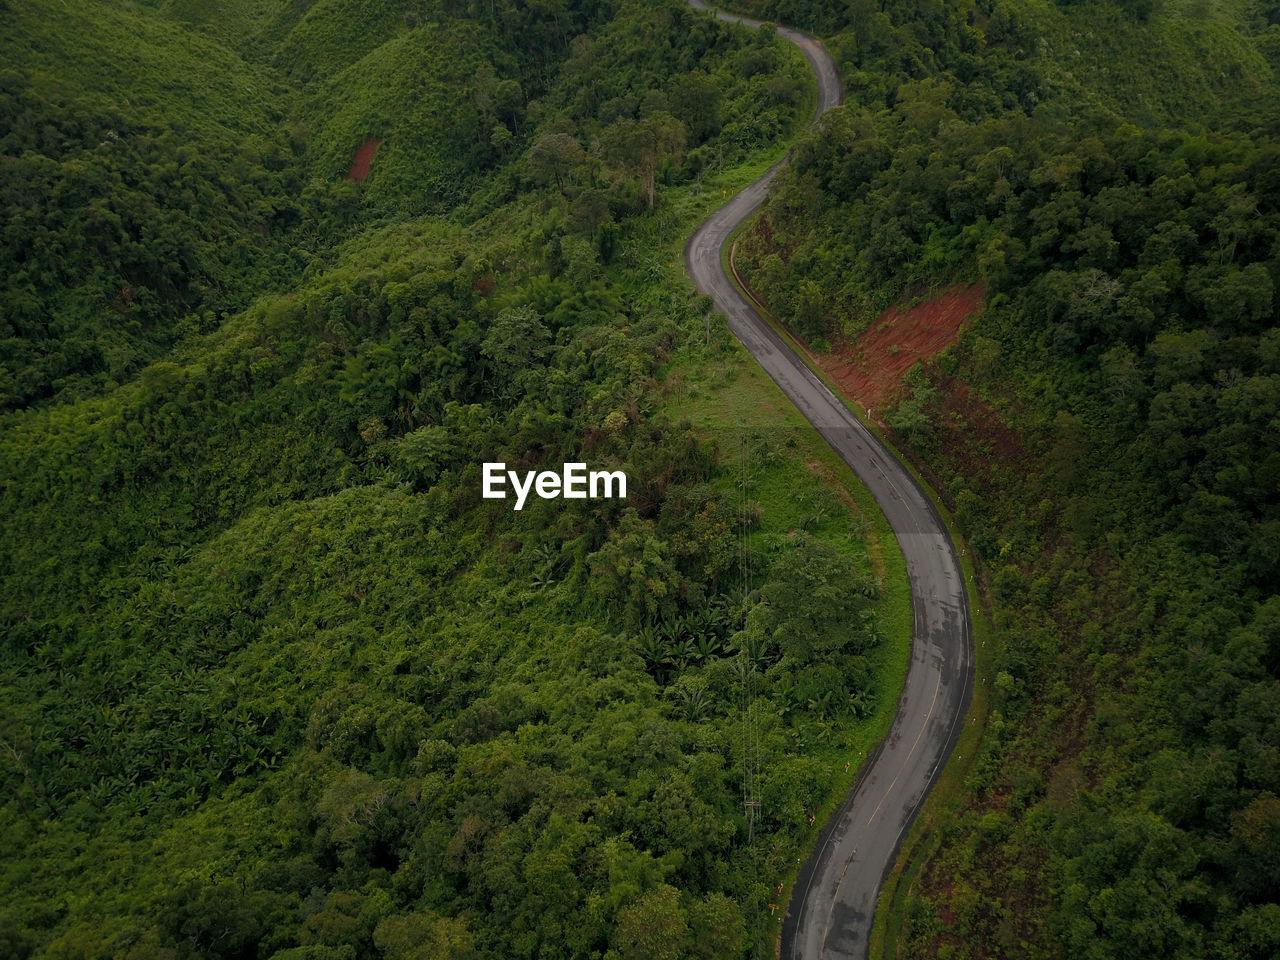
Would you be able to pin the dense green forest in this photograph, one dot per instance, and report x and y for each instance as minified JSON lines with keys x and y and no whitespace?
{"x":276,"y":681}
{"x":1105,"y":432}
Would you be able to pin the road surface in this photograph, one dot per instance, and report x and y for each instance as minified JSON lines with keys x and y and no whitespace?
{"x":831,"y":910}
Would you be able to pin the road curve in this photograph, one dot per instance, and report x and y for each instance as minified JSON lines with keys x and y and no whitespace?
{"x":834,"y":900}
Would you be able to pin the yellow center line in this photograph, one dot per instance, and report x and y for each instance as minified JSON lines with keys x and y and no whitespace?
{"x":835,"y":898}
{"x":889,"y":789}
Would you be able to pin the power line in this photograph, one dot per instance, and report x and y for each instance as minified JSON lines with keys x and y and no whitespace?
{"x":750,"y":733}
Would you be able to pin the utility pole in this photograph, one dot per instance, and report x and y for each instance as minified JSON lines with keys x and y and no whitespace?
{"x":746,"y":667}
{"x":749,"y":774}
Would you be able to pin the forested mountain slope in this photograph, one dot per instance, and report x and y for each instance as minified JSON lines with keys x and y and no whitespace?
{"x":1106,"y":433}
{"x":276,"y":681}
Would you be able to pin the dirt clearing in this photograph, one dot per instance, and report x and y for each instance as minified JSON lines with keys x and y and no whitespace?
{"x":870,"y":369}
{"x":363,"y":160}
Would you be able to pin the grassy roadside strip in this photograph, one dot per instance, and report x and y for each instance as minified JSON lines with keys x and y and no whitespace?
{"x":976,"y":598}
{"x":723,"y":399}
{"x":946,"y":798}
{"x":723,"y":396}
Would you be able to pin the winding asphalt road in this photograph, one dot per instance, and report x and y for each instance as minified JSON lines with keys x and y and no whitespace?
{"x":831,"y":910}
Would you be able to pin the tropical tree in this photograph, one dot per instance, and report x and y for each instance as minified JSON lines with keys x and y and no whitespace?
{"x":638,"y":147}
{"x":554,"y":156}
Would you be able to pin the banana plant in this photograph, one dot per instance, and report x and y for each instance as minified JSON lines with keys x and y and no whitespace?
{"x":821,"y":705}
{"x":862,"y":703}
{"x":672,"y":628}
{"x":706,"y":646}
{"x":784,"y":695}
{"x":693,"y":700}
{"x":680,"y":653}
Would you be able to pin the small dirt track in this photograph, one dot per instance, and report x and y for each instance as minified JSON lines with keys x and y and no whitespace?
{"x":835,"y":896}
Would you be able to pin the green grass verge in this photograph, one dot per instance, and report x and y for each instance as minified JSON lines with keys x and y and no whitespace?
{"x":946,"y":797}
{"x":724,"y":394}
{"x":733,"y":397}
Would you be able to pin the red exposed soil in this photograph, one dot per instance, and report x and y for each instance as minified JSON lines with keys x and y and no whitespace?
{"x":363,"y":160}
{"x":870,"y":370}
{"x":983,"y":440}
